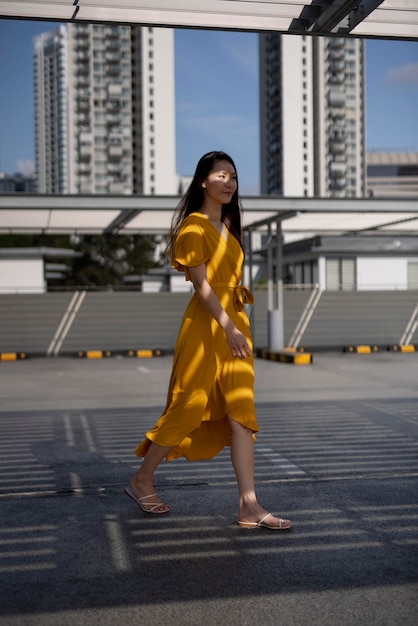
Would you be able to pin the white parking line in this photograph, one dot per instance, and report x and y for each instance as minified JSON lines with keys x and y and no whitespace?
{"x":75,"y":481}
{"x":281,"y":461}
{"x":69,"y":434}
{"x":118,"y":549}
{"x":87,"y":433}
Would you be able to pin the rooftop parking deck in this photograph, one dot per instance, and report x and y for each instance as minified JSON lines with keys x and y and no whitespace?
{"x":337,"y":452}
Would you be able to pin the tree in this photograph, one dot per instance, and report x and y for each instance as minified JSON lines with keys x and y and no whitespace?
{"x":107,"y":259}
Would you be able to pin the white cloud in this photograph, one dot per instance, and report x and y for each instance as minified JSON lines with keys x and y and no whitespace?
{"x":25,"y":167}
{"x":404,"y":75}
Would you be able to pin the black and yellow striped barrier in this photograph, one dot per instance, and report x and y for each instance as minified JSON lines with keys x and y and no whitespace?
{"x":402,"y":348}
{"x":287,"y":355}
{"x":102,"y":354}
{"x":93,"y":354}
{"x":362,"y":349}
{"x":368,"y":349}
{"x":12,"y":356}
{"x":146,"y":354}
{"x":141,"y":354}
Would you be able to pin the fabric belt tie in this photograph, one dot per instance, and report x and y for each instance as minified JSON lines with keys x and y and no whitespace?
{"x":242,"y":295}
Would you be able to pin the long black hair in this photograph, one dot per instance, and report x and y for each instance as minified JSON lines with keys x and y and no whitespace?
{"x":193,"y":200}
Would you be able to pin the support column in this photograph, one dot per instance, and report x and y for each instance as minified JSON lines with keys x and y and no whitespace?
{"x":275,"y":312}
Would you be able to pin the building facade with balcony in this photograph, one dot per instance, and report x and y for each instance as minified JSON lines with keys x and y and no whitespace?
{"x":116,"y":89}
{"x":312,"y":140}
{"x":50,"y":72}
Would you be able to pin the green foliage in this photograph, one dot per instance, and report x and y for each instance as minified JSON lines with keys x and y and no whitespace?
{"x":106,"y":259}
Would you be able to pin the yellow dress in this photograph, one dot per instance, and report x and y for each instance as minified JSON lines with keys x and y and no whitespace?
{"x":207,"y":383}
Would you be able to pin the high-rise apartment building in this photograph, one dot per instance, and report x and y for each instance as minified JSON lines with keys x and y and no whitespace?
{"x":312,"y":140}
{"x":50,"y":66}
{"x":104,"y":110}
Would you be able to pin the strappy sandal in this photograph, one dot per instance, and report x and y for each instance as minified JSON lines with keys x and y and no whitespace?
{"x":284,"y":524}
{"x":147,"y":507}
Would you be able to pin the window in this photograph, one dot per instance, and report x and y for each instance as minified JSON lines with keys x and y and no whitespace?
{"x":341,"y":274}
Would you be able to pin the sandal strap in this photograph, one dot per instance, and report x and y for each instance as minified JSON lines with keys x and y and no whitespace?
{"x":145,"y":497}
{"x":260,"y":521}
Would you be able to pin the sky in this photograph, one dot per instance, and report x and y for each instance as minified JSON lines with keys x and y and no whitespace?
{"x":216,"y":74}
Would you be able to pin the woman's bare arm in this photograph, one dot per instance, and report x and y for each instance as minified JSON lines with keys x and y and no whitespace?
{"x":236,"y":340}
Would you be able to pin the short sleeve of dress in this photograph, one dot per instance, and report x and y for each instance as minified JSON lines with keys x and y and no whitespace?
{"x":189,"y":249}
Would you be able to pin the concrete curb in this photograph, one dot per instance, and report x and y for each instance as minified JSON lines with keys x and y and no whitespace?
{"x":287,"y":355}
{"x":13,"y":356}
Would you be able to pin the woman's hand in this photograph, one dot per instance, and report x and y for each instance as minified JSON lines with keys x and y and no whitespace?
{"x":237,"y":342}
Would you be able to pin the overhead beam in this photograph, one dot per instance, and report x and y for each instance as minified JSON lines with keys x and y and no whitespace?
{"x":296,"y":16}
{"x":74,"y":202}
{"x":120,"y":221}
{"x":336,"y":17}
{"x":361,"y":11}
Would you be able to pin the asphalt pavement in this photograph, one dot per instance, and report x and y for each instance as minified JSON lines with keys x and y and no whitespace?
{"x":337,"y":452}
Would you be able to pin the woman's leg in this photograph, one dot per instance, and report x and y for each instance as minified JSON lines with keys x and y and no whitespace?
{"x":242,"y":456}
{"x":141,"y":481}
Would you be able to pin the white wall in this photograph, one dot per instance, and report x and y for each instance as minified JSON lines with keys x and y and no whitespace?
{"x":293,"y":116}
{"x":179,"y":284}
{"x":382,"y":273}
{"x":22,"y":276}
{"x":163,"y":110}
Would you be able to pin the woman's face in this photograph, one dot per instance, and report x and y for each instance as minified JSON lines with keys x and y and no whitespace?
{"x":221,"y":183}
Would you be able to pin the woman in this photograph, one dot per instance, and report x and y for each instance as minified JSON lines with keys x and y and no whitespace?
{"x":210,"y":400}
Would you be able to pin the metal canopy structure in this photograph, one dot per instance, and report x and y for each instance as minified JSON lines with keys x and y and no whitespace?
{"x":297,"y":217}
{"x":365,"y":18}
{"x":300,"y":217}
